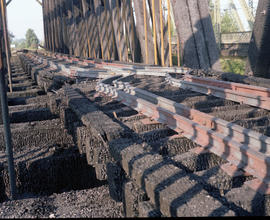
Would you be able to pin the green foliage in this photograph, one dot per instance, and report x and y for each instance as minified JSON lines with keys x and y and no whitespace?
{"x":234,"y":65}
{"x":31,"y":39}
{"x":10,"y":37}
{"x":20,"y":44}
{"x":172,"y":28}
{"x":211,"y":8}
{"x":227,"y":23}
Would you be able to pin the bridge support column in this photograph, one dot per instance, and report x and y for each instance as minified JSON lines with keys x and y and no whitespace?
{"x":195,"y":31}
{"x":259,"y":49}
{"x":147,"y":53}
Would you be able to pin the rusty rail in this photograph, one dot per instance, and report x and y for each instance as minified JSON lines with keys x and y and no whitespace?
{"x":241,"y":147}
{"x":241,"y":93}
{"x":81,"y":67}
{"x":244,"y":148}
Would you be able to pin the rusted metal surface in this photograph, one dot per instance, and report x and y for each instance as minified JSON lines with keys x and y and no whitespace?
{"x":244,"y":148}
{"x":241,"y":154}
{"x":251,"y":95}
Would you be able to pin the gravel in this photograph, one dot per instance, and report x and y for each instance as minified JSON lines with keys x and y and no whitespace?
{"x":89,"y":203}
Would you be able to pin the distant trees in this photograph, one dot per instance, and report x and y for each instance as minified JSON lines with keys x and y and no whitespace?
{"x":30,"y":42}
{"x":31,"y":39}
{"x":20,"y":44}
{"x":227,"y":23}
{"x":11,"y":37}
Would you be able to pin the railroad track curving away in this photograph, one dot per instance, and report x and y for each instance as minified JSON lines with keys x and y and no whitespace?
{"x":169,"y":141}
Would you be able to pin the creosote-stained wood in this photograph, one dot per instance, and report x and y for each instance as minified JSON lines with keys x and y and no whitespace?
{"x":138,"y":7}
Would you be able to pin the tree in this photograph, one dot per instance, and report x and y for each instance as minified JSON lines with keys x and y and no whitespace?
{"x":11,"y":37}
{"x":227,"y":23}
{"x":20,"y":43}
{"x":31,"y":39}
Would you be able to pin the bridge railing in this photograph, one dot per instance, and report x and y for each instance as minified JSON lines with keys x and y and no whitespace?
{"x":236,"y":37}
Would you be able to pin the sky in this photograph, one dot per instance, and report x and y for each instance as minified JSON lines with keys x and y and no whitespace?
{"x":24,"y":14}
{"x":225,"y":5}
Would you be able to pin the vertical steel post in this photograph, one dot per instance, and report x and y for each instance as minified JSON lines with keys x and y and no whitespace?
{"x":169,"y":30}
{"x":178,"y":52}
{"x":5,"y":32}
{"x":145,"y":31}
{"x":154,"y":31}
{"x":118,"y":29}
{"x":124,"y":15}
{"x":161,"y":33}
{"x":5,"y":115}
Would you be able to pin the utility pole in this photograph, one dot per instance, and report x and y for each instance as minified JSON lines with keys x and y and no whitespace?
{"x":217,"y":20}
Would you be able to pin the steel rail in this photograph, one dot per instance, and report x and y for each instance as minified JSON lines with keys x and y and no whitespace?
{"x":244,"y":156}
{"x":238,"y":87}
{"x":237,"y":92}
{"x":69,"y":70}
{"x":112,"y":67}
{"x":234,"y":131}
{"x":244,"y":94}
{"x":125,"y":67}
{"x":241,"y":147}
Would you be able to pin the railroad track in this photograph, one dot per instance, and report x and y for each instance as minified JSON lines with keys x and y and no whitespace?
{"x":210,"y":132}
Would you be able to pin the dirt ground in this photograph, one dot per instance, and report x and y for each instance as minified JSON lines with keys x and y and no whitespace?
{"x":90,"y":203}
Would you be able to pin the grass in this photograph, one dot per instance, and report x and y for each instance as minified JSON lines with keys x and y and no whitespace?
{"x":228,"y":64}
{"x":234,"y":65}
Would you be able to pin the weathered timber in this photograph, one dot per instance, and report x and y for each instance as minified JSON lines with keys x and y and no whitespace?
{"x":165,"y":31}
{"x":77,"y":22}
{"x":134,"y":44}
{"x":122,"y":46}
{"x":94,"y":33}
{"x":258,"y":54}
{"x":190,"y":28}
{"x":101,"y":23}
{"x":138,"y":6}
{"x":86,"y":40}
{"x":110,"y":32}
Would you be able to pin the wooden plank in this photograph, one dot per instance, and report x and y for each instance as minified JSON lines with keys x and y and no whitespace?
{"x":209,"y":35}
{"x":165,"y":34}
{"x":198,"y":34}
{"x":139,"y":12}
{"x":55,"y":26}
{"x":86,"y":12}
{"x":195,"y":32}
{"x":185,"y":33}
{"x":121,"y":46}
{"x":110,"y":32}
{"x":52,"y":30}
{"x":153,"y":15}
{"x":94,"y":32}
{"x":131,"y":31}
{"x":47,"y":19}
{"x":258,"y":54}
{"x":82,"y":32}
{"x":101,"y":23}
{"x":70,"y":30}
{"x":65,"y":26}
{"x":44,"y":13}
{"x":59,"y":25}
{"x":76,"y":19}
